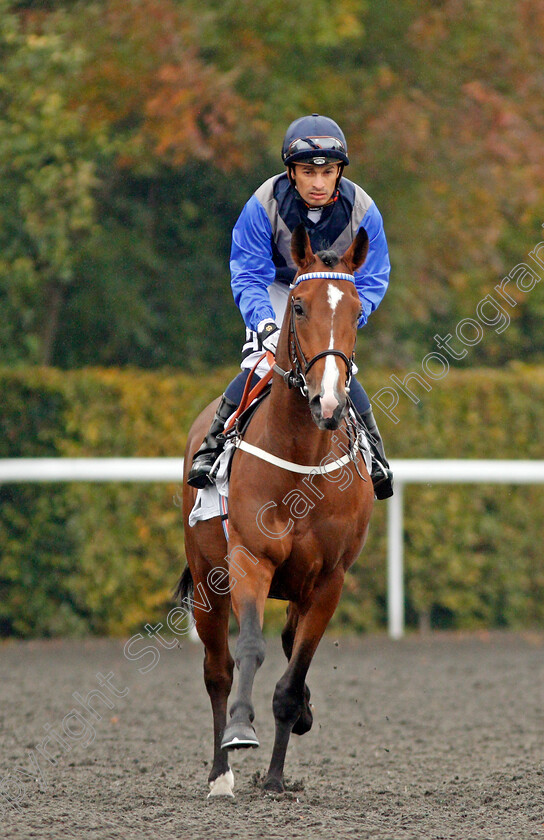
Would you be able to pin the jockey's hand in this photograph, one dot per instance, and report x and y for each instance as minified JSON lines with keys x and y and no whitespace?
{"x":268,"y":333}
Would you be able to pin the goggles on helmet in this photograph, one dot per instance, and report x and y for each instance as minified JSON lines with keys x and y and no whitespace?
{"x":315,"y":144}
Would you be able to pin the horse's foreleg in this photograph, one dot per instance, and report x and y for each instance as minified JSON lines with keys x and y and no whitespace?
{"x":306,"y":719}
{"x":290,"y":696}
{"x":248,"y":600}
{"x":249,"y":655}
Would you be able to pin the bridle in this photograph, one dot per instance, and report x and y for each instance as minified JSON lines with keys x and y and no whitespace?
{"x":296,"y":376}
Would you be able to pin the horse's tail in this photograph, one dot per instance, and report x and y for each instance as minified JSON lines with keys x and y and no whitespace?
{"x":185,"y":589}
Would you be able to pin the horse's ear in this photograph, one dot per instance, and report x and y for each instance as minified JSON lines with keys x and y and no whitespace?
{"x":357,"y":251}
{"x":301,"y":250}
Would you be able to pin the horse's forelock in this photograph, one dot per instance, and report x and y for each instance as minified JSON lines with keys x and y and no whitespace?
{"x":329,"y":258}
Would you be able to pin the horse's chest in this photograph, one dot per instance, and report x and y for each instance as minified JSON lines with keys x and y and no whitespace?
{"x":325,"y":516}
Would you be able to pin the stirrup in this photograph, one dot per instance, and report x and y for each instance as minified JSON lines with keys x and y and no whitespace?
{"x":199,"y":474}
{"x":211,"y":447}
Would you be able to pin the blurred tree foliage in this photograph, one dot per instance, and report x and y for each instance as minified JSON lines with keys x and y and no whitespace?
{"x":132,"y":132}
{"x":47,"y":182}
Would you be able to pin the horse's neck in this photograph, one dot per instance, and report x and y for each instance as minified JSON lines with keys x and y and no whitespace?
{"x":289,"y":431}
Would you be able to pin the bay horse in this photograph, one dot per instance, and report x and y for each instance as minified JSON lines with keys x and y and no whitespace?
{"x":292,"y":533}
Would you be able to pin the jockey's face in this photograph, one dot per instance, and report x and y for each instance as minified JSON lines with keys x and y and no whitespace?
{"x":315,"y":184}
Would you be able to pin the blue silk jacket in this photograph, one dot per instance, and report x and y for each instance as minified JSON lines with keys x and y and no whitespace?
{"x":261,"y":244}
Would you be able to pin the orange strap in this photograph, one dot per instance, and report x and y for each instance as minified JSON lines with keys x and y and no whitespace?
{"x":252,"y":393}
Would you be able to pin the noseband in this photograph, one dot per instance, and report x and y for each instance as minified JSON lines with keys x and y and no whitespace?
{"x":296,"y":376}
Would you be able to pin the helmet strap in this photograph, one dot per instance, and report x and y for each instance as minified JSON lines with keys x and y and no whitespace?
{"x":291,"y":175}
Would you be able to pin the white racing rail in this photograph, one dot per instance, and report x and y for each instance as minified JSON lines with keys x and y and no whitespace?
{"x":438,"y":472}
{"x":405,"y":471}
{"x":90,"y":469}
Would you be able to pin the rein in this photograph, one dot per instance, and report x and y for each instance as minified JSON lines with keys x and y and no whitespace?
{"x":249,"y":393}
{"x":296,"y":376}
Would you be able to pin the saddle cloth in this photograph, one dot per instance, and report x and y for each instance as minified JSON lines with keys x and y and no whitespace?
{"x":212,"y":500}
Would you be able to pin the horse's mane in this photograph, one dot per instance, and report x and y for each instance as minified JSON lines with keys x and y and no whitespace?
{"x":330,"y":258}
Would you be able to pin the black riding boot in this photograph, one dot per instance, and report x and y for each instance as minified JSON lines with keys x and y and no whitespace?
{"x":381,"y":475}
{"x":211,"y":447}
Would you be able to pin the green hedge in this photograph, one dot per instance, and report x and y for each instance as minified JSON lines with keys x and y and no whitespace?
{"x":100,"y":558}
{"x":103,"y":558}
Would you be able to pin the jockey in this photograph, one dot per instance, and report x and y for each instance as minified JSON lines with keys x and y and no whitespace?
{"x":312,"y":191}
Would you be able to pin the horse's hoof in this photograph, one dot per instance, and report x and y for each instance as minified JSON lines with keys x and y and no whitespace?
{"x":306,"y":719}
{"x":223,"y":785}
{"x":273,"y":785}
{"x":304,"y":723}
{"x":239,"y":736}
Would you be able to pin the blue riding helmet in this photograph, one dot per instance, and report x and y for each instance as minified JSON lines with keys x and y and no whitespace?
{"x":314,"y":139}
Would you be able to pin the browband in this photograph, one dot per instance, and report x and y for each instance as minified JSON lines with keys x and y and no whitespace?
{"x":325,"y":275}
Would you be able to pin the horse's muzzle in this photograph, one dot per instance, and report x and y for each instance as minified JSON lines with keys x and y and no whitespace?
{"x":325,"y":416}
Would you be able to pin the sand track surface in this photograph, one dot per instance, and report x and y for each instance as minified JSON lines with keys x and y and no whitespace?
{"x":429,"y":738}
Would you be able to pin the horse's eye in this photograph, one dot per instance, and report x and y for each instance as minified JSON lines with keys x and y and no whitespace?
{"x":299,"y":309}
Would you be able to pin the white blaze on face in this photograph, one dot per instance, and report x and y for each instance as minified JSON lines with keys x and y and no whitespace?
{"x":334,"y":295}
{"x":330,"y":375}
